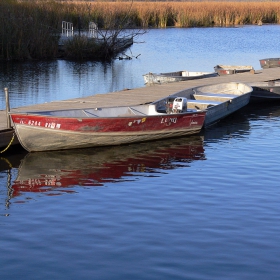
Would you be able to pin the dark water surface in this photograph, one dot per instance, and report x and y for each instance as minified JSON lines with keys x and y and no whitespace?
{"x":199,"y":207}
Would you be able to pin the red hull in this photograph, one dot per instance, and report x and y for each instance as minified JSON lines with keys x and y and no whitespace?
{"x":135,"y":124}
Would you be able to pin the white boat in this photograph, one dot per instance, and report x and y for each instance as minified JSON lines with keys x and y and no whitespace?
{"x":219,"y":100}
{"x":232,"y":69}
{"x":178,"y":76}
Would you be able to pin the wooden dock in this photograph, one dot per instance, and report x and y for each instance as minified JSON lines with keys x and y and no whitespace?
{"x":135,"y":96}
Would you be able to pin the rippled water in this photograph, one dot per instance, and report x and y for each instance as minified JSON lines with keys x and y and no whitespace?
{"x":199,"y":207}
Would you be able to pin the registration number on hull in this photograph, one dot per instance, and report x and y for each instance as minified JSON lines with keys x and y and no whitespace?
{"x":169,"y":120}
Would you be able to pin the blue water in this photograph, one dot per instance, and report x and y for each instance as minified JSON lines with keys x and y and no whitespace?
{"x":199,"y":207}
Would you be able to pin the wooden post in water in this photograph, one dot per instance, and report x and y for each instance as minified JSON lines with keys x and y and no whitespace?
{"x":7,"y":108}
{"x":79,"y":25}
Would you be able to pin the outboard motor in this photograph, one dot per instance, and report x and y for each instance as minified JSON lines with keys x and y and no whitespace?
{"x":179,"y":105}
{"x":169,"y":105}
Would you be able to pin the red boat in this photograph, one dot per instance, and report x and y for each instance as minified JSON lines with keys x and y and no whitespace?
{"x":81,"y":128}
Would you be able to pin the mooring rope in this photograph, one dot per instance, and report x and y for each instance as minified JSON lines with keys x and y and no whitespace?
{"x":7,"y":161}
{"x":8,"y":144}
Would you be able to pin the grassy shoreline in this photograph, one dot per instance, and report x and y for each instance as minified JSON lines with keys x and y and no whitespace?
{"x":30,"y":29}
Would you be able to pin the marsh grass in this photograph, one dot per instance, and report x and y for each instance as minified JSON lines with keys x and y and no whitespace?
{"x":30,"y":29}
{"x":184,"y":14}
{"x":27,"y":31}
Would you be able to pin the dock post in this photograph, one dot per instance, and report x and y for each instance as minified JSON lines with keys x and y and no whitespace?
{"x":7,"y":108}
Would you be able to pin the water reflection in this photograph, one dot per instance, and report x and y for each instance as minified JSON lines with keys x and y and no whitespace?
{"x":50,"y":172}
{"x":235,"y":125}
{"x":22,"y":77}
{"x":12,"y":158}
{"x":38,"y":82}
{"x":261,"y":110}
{"x":9,"y":161}
{"x":29,"y":82}
{"x":241,"y":123}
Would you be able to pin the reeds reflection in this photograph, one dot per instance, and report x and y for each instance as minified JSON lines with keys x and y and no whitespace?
{"x":52,"y":172}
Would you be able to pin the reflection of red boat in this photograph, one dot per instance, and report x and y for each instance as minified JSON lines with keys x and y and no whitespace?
{"x":50,"y":171}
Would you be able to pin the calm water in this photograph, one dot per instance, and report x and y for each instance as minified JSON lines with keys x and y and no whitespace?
{"x":200,"y":207}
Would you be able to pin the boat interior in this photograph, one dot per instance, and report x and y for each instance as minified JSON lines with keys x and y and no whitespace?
{"x":199,"y":101}
{"x":202,"y":100}
{"x":105,"y":112}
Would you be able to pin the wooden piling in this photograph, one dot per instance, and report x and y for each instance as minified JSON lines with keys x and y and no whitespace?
{"x":7,"y":108}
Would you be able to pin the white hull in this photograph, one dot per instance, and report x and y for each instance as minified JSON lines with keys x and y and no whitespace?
{"x":34,"y":138}
{"x":161,"y":78}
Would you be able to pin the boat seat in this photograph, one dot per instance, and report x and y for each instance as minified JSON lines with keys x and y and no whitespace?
{"x":212,"y":94}
{"x":202,"y":104}
{"x":149,"y":110}
{"x":210,"y":102}
{"x":153,"y":110}
{"x":89,"y":114}
{"x":135,"y":111}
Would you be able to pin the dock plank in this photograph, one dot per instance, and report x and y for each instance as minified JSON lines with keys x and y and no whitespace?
{"x":135,"y":96}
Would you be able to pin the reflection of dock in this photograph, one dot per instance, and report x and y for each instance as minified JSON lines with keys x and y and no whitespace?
{"x":137,"y":96}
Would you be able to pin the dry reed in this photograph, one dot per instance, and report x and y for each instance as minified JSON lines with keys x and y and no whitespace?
{"x":187,"y":14}
{"x":30,"y":28}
